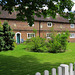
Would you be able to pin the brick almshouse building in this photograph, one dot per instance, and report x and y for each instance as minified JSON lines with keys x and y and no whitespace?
{"x":23,"y":30}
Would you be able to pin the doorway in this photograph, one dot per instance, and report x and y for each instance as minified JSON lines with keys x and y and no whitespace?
{"x":18,"y":37}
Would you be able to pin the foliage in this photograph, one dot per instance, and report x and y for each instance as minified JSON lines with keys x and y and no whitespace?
{"x":14,"y":45}
{"x":58,"y":43}
{"x":2,"y":43}
{"x":1,"y":38}
{"x":8,"y":36}
{"x":63,"y":40}
{"x":36,"y":44}
{"x":29,"y":8}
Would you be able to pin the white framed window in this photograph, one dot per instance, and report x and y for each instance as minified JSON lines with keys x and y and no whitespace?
{"x":32,"y":25}
{"x":72,"y":25}
{"x":48,"y":35}
{"x":72,"y":35}
{"x":30,"y":35}
{"x":49,"y":24}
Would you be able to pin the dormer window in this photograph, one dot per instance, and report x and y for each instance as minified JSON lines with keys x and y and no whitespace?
{"x":72,"y":25}
{"x":49,"y":24}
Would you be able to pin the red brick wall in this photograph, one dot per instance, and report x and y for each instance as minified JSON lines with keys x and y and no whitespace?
{"x":23,"y":28}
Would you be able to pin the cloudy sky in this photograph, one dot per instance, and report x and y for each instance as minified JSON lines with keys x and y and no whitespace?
{"x":73,"y":9}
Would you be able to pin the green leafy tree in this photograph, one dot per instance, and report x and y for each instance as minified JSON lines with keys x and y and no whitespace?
{"x":1,"y":38}
{"x":8,"y":36}
{"x":29,"y":8}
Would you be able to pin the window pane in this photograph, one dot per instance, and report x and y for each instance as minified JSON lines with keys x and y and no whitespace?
{"x":72,"y":35}
{"x":31,"y":35}
{"x":49,"y":24}
{"x":48,"y":35}
{"x":72,"y":25}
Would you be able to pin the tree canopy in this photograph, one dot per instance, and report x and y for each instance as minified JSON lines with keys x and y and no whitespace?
{"x":29,"y":8}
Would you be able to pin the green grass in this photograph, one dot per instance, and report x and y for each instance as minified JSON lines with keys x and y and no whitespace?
{"x":21,"y":62}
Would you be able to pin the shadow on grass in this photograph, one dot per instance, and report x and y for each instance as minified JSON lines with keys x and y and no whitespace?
{"x":24,"y":65}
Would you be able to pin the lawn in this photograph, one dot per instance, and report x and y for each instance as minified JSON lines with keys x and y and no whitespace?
{"x":21,"y":62}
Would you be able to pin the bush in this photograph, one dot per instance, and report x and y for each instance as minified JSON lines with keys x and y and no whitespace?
{"x":14,"y":45}
{"x":58,"y":43}
{"x":1,"y":38}
{"x":63,"y":40}
{"x":36,"y":44}
{"x":8,"y":36}
{"x":2,"y":43}
{"x":53,"y":46}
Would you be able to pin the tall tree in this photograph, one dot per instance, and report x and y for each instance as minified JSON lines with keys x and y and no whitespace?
{"x":8,"y":36}
{"x":29,"y":8}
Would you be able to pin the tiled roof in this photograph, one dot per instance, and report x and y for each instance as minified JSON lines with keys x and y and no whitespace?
{"x":5,"y":15}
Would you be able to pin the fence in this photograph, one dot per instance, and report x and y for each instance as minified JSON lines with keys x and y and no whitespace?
{"x":63,"y":69}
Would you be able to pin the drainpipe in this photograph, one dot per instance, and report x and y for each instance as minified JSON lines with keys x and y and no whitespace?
{"x":39,"y":28}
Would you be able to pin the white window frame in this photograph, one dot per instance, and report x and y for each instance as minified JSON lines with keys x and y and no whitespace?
{"x":48,"y":23}
{"x":30,"y":37}
{"x":71,"y":26}
{"x":72,"y":36}
{"x":32,"y":25}
{"x":46,"y":35}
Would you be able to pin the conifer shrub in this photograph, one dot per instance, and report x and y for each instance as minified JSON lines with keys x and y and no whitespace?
{"x":6,"y":37}
{"x":14,"y":45}
{"x":2,"y":42}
